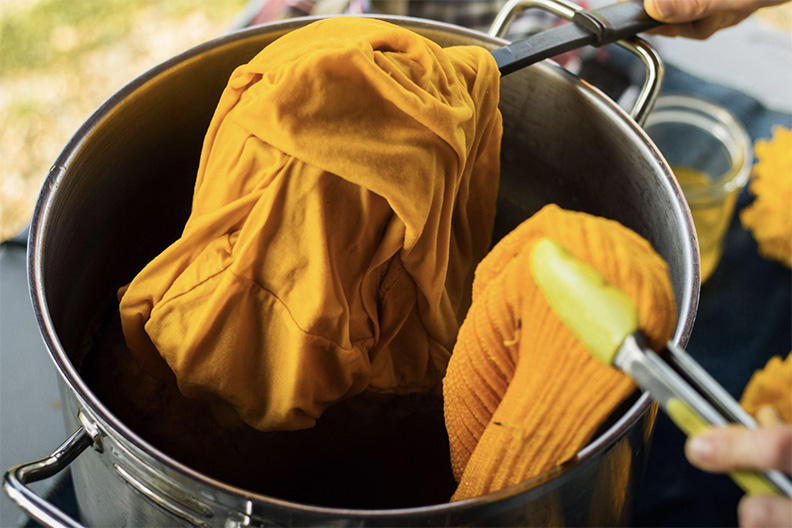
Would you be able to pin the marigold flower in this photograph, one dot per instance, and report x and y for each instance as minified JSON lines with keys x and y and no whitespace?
{"x":771,"y":386}
{"x":769,"y":217}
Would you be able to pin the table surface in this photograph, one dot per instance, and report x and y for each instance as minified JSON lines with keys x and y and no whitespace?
{"x":744,"y":316}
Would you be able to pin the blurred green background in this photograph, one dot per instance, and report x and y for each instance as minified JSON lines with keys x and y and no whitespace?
{"x":60,"y":59}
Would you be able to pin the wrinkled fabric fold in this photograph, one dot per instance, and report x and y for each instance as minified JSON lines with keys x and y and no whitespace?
{"x":346,"y":191}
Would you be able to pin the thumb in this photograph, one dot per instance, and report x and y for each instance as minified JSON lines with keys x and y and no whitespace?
{"x":689,"y":10}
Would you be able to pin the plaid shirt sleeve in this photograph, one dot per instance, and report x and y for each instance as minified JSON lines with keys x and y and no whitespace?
{"x":475,"y":14}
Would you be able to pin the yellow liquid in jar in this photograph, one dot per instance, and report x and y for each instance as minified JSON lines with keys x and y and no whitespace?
{"x":711,"y":217}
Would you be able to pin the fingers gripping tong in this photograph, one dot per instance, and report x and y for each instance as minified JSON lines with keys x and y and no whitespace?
{"x":606,"y":321}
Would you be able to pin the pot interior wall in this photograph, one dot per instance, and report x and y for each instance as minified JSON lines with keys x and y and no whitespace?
{"x":121,"y":191}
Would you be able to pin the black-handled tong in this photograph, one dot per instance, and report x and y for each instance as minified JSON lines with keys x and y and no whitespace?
{"x":595,"y":27}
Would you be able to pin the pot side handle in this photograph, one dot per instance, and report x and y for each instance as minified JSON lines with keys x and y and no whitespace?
{"x":16,"y":479}
{"x":566,"y":9}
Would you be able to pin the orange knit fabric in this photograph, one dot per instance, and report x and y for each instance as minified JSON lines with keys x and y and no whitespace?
{"x":522,"y":394}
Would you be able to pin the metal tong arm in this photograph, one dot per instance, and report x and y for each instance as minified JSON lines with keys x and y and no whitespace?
{"x":691,"y":395}
{"x":706,"y":385}
{"x":720,"y":400}
{"x":664,"y":384}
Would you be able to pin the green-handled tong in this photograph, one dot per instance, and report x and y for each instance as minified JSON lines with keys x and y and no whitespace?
{"x":606,"y":321}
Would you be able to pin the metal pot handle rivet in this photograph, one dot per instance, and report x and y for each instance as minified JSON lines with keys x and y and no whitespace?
{"x":647,"y":96}
{"x":16,"y":479}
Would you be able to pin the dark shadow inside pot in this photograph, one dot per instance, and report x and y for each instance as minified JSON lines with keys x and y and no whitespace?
{"x":369,"y":452}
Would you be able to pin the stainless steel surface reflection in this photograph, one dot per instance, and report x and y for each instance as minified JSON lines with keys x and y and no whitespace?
{"x":120,"y":192}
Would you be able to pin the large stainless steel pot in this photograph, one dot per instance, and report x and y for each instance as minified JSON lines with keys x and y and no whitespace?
{"x":121,"y":189}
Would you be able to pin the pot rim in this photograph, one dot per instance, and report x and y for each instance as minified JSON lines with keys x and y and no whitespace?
{"x":113,"y":426}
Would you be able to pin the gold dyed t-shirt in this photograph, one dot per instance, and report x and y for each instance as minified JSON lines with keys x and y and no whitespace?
{"x":346,"y":191}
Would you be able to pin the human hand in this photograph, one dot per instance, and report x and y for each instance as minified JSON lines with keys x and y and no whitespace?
{"x":699,"y":19}
{"x":729,"y":448}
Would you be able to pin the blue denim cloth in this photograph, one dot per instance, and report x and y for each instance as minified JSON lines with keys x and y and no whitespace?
{"x":744,"y":318}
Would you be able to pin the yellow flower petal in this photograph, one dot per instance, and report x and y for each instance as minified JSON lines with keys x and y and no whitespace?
{"x":769,"y":217}
{"x":771,"y":386}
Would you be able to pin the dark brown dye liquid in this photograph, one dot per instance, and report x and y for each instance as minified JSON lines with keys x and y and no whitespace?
{"x":370,"y":452}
